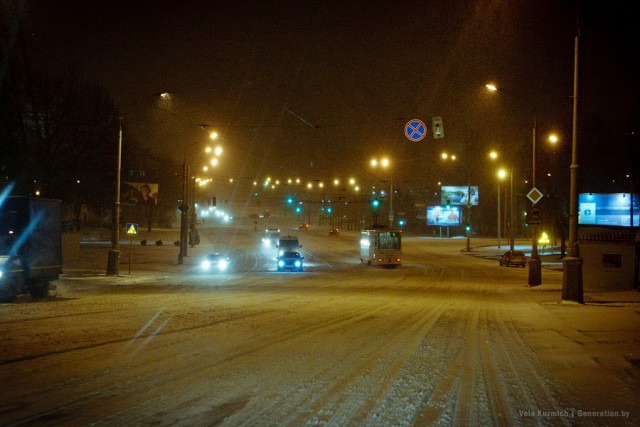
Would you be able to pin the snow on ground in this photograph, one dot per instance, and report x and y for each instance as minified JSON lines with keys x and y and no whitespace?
{"x":449,"y":338}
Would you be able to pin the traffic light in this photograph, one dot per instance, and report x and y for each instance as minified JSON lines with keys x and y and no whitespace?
{"x":401,"y":222}
{"x":298,"y":209}
{"x":375,"y":203}
{"x":289,"y":200}
{"x":329,"y":209}
{"x":438,"y":128}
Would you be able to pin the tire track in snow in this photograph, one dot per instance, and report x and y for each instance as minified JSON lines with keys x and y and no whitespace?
{"x":347,"y":381}
{"x":528,"y":389}
{"x":366,"y":384}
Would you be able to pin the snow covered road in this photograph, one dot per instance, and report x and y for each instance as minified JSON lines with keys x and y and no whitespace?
{"x":446,"y":339}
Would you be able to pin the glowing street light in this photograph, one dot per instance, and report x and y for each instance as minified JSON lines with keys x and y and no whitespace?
{"x":535,"y":273}
{"x":385,"y":163}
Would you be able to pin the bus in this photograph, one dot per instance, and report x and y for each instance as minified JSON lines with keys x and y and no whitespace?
{"x":381,"y":247}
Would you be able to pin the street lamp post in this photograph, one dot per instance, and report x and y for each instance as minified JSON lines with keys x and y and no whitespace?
{"x":391,"y":213}
{"x":572,"y":265}
{"x":501,"y":175}
{"x":113,"y":261}
{"x":535,"y":275}
{"x":499,"y":216}
{"x":184,"y":208}
{"x":512,"y":213}
{"x":385,"y":163}
{"x":188,"y":219}
{"x":445,"y":156}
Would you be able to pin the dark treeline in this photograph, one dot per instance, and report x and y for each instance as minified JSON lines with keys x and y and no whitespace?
{"x":59,"y":131}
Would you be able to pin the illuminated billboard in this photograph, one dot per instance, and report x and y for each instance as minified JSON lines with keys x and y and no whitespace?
{"x":443,"y":216}
{"x":613,"y":209}
{"x":139,"y":193}
{"x":457,"y":195}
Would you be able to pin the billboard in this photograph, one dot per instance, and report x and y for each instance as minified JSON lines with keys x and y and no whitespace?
{"x":443,"y":216}
{"x":139,"y":193}
{"x":457,"y":195}
{"x":612,"y":209}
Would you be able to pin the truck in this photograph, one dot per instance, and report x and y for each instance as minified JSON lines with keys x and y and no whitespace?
{"x":288,"y":244}
{"x":30,"y":246}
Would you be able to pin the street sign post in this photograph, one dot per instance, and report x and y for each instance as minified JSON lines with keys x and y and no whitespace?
{"x":131,"y":230}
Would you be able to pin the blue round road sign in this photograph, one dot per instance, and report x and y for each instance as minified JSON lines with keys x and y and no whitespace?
{"x":415,"y":130}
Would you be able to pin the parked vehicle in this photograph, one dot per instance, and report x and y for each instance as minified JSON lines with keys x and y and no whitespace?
{"x":30,"y":246}
{"x":517,"y":258}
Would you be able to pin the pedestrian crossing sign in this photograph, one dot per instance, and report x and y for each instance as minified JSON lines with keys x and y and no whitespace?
{"x":132,"y":229}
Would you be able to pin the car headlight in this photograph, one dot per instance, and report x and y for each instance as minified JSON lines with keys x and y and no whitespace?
{"x":205,"y":264}
{"x":223,"y":264}
{"x":280,"y":263}
{"x":297,"y":264}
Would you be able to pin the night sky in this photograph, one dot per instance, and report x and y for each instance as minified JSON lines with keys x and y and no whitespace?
{"x":316,"y":88}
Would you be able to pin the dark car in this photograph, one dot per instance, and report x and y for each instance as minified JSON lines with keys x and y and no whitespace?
{"x":290,"y":261}
{"x":334,"y":232}
{"x":215,"y":262}
{"x":517,"y":258}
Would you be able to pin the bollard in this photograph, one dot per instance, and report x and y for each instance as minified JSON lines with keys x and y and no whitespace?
{"x":572,"y":279}
{"x":535,"y":271}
